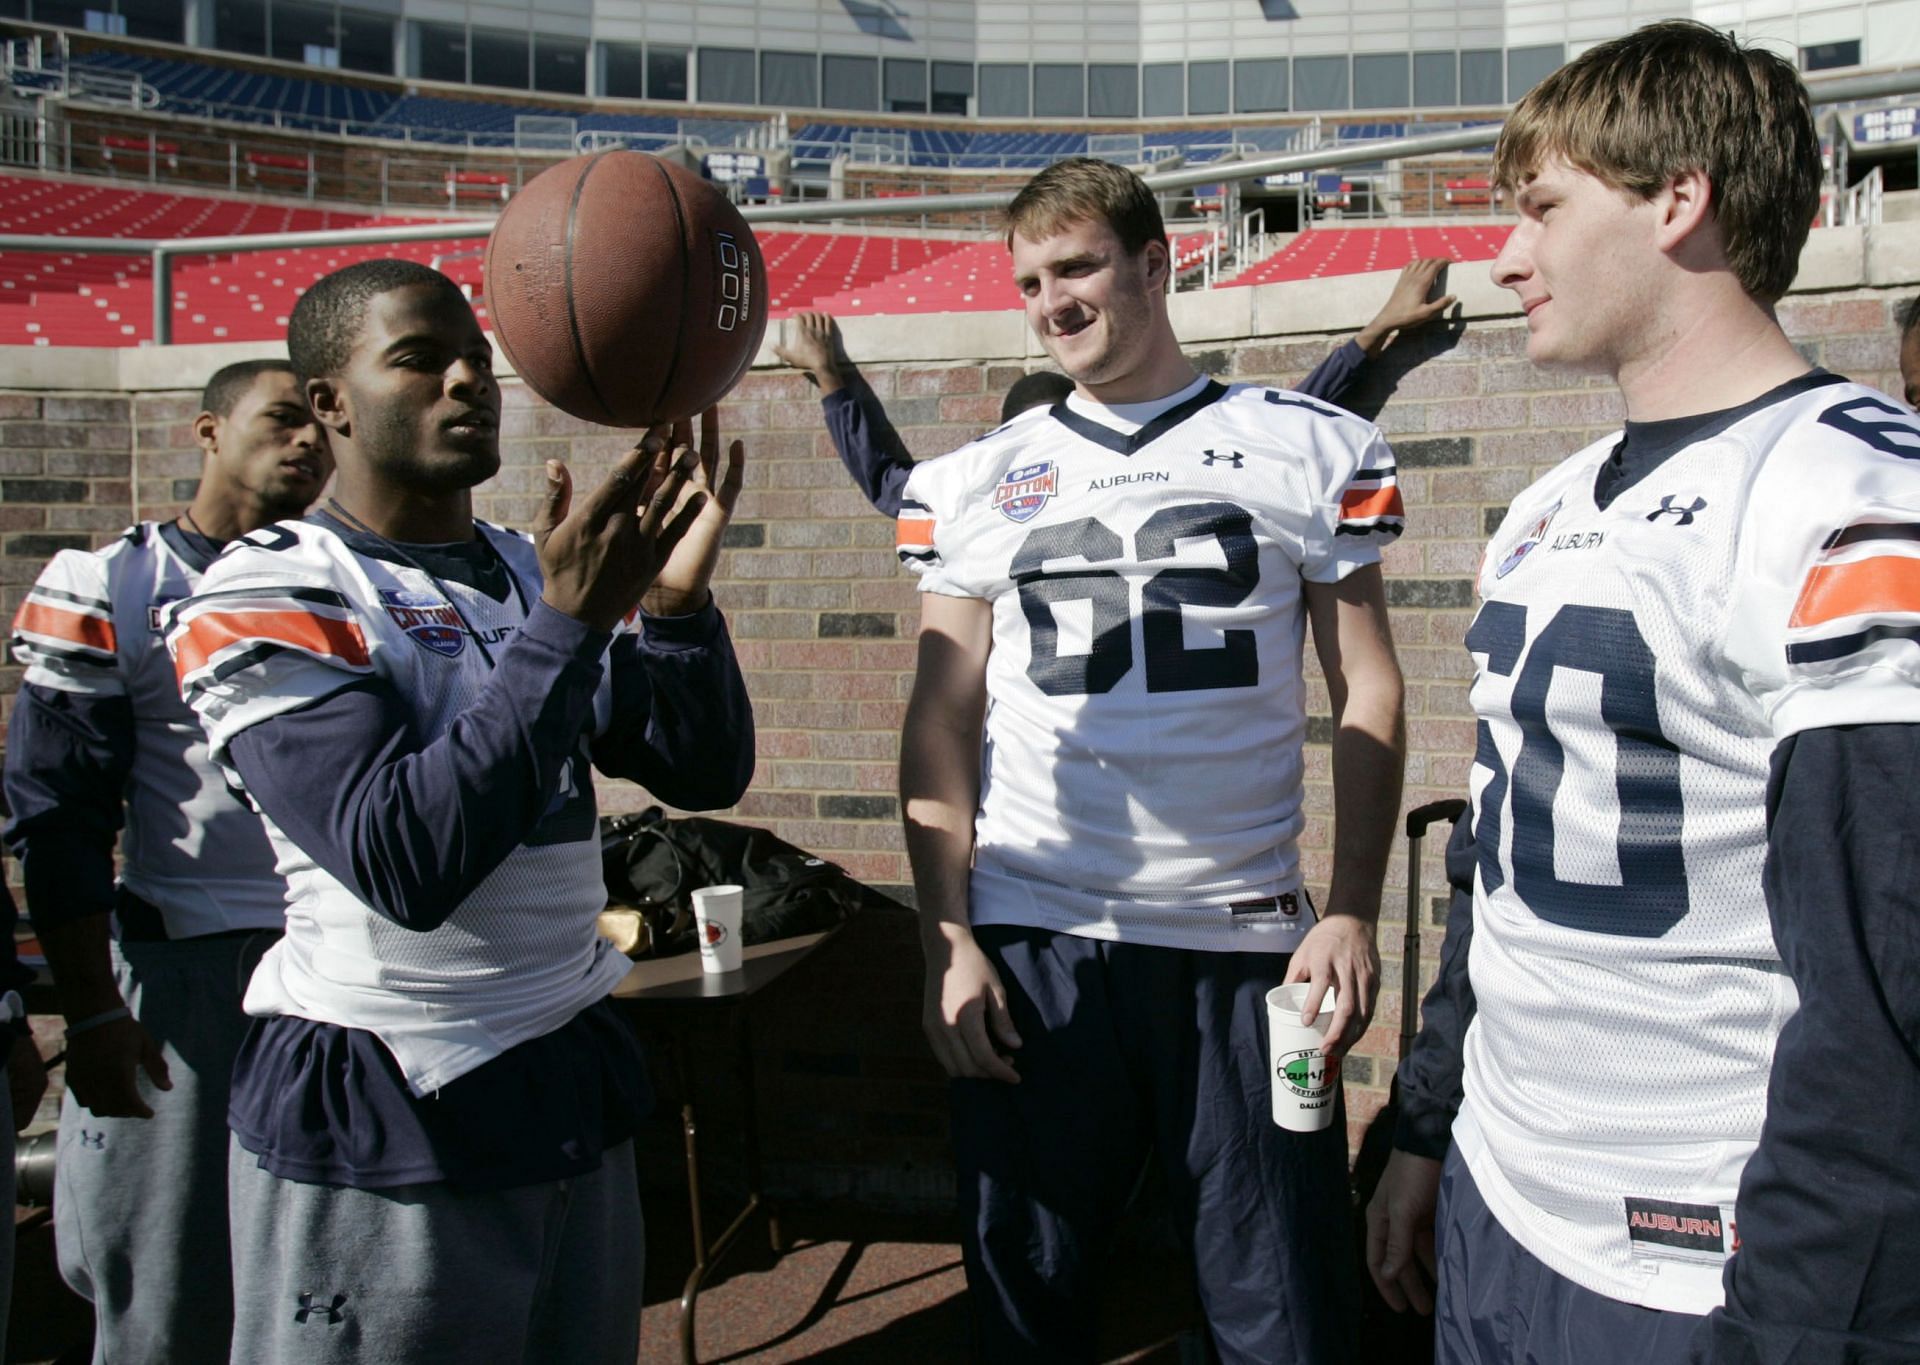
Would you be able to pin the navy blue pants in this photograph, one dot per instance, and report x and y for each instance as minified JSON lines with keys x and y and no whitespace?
{"x":1127,"y":1050}
{"x":1496,"y":1304}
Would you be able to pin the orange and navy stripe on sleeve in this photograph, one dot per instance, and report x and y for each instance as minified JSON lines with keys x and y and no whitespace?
{"x":217,"y":635}
{"x":913,"y":533}
{"x":1861,"y":598}
{"x":63,"y":625}
{"x":1371,"y":503}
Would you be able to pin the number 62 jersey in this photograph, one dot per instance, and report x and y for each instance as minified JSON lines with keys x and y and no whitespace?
{"x":1638,"y":664}
{"x":1141,"y":767}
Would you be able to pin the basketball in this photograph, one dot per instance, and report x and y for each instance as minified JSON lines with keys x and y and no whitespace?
{"x":625,"y":290}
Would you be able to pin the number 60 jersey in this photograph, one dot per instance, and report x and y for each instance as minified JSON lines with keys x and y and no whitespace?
{"x":1638,"y":665}
{"x":1141,"y":770}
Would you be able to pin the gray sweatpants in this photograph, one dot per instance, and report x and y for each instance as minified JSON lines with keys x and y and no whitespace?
{"x":140,"y":1205}
{"x":437,"y":1274}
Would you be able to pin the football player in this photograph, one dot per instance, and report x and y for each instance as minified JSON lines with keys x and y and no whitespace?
{"x":1691,"y":1096}
{"x":149,"y":971}
{"x":1101,"y":774}
{"x":432,"y":1112}
{"x":879,"y":461}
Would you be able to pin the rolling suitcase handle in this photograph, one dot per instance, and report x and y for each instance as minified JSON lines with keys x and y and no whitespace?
{"x":1418,"y":821}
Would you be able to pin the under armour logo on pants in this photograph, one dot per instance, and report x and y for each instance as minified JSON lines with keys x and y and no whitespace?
{"x":308,"y":1308}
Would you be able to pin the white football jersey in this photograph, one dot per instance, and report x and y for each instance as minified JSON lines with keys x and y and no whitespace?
{"x":91,"y":626}
{"x":1638,"y":665}
{"x":1141,"y":768}
{"x":291,"y":615}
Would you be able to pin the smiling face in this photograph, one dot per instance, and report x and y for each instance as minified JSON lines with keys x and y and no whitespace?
{"x":1584,"y":264}
{"x":1095,"y":307}
{"x":267,"y":453}
{"x":416,"y":407}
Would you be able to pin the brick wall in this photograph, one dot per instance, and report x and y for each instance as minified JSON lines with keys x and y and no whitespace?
{"x":825,"y":622}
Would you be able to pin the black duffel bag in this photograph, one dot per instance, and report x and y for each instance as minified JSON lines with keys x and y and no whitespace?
{"x":654,"y":865}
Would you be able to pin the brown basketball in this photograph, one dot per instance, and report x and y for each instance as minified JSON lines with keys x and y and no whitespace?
{"x":626,"y":290}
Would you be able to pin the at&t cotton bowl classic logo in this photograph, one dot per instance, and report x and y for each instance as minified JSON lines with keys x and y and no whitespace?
{"x":1021,"y":493}
{"x":1308,"y":1076}
{"x":427,"y":620}
{"x":1535,"y":534}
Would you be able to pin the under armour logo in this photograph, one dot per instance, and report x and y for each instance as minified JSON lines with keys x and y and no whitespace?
{"x":1233,"y":457}
{"x":1683,"y":515}
{"x":308,"y":1308}
{"x":93,"y":1139}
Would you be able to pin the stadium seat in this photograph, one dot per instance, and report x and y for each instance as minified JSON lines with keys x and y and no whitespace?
{"x":1353,"y":251}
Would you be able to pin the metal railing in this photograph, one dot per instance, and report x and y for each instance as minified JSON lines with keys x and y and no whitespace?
{"x":162,"y":253}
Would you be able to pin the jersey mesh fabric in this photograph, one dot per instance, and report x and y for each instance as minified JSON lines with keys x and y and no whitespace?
{"x":520,"y":956}
{"x":1141,"y":766}
{"x":1632,"y":685}
{"x":91,"y":626}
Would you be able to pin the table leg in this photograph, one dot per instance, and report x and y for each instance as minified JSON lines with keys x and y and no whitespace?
{"x":751,"y":1115}
{"x":690,"y":1129}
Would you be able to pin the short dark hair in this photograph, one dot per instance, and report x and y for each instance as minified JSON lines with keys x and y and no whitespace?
{"x":1042,"y":388}
{"x":1674,"y":97}
{"x":1908,"y":314}
{"x":1082,"y":189}
{"x":231,"y":382}
{"x":326,"y":321}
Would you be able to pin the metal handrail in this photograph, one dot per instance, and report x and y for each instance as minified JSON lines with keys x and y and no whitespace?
{"x":1906,"y":80}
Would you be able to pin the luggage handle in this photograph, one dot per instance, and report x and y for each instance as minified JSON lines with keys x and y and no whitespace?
{"x":1419,"y":820}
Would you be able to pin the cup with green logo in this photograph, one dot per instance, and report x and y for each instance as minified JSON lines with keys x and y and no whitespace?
{"x":1305,"y":1079}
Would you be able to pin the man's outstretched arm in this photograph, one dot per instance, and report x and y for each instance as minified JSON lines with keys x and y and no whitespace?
{"x":1406,"y":307}
{"x":863,"y":435}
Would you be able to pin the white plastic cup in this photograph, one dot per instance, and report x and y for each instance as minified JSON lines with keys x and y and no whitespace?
{"x":1305,"y":1079}
{"x":716,"y":917}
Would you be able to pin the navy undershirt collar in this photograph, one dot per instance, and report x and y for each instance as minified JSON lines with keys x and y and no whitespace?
{"x":1119,"y":442}
{"x":197,"y":551}
{"x":1645,"y":446}
{"x":471,"y":563}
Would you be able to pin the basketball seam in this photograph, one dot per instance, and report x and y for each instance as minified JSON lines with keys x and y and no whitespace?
{"x":573,"y":319}
{"x":686,"y":282}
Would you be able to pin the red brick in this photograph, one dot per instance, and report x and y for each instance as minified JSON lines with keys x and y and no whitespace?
{"x":1832,"y":317}
{"x":976,"y":409}
{"x":954,"y":379}
{"x":1598,"y":408}
{"x":1477,"y":414}
{"x":783,"y":744}
{"x":855,"y":687}
{"x":764,"y":805}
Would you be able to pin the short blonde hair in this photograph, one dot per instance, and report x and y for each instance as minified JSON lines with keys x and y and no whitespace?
{"x":1675,"y":97}
{"x":1081,"y":189}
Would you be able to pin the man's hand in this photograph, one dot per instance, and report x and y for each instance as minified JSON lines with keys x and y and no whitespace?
{"x":1340,"y":952}
{"x":1408,"y":305}
{"x":708,"y":500}
{"x":1400,"y":1254}
{"x":600,"y":557}
{"x":965,"y":1009}
{"x":26,"y":1080}
{"x":103,"y":1066}
{"x":813,"y":345}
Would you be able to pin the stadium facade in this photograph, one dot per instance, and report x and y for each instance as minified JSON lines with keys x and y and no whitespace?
{"x":1095,"y":59}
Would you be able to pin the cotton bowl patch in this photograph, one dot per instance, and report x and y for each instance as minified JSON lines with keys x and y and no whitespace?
{"x":1023,"y":492}
{"x":427,"y":619}
{"x":1535,"y":534}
